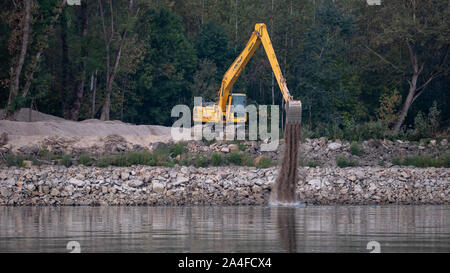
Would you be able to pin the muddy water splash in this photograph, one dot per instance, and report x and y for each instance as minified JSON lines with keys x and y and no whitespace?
{"x":283,"y":191}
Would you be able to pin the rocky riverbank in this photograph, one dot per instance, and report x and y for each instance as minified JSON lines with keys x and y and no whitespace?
{"x":143,"y":185}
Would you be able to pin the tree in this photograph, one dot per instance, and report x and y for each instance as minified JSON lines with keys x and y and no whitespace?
{"x":41,"y":45}
{"x":205,"y":81}
{"x":165,"y":73}
{"x":329,"y":87}
{"x":109,"y":34}
{"x":212,"y":43}
{"x":412,"y":38}
{"x":83,"y":67}
{"x":16,"y":70}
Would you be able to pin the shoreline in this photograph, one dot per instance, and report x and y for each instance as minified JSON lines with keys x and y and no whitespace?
{"x":50,"y":185}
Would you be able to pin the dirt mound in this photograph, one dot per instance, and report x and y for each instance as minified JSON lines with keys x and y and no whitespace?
{"x":26,"y":114}
{"x":47,"y":131}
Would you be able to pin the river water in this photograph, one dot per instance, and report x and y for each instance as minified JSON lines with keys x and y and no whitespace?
{"x":226,"y":229}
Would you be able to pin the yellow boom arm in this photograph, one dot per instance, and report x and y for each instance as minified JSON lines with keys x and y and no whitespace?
{"x":259,"y":35}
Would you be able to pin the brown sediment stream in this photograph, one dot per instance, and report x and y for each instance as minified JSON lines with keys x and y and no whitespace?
{"x":285,"y":184}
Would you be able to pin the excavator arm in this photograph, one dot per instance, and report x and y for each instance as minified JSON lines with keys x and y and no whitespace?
{"x":259,"y":35}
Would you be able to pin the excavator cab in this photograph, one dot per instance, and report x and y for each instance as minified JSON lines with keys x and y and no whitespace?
{"x":233,"y":115}
{"x":238,"y":99}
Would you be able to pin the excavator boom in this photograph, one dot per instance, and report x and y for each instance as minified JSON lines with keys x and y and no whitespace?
{"x":259,"y":35}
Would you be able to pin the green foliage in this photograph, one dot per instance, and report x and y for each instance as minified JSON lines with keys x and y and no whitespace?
{"x":217,"y":159}
{"x":34,"y":159}
{"x":389,"y":106}
{"x":265,"y":162}
{"x":47,"y":155}
{"x":304,"y":162}
{"x":343,"y":162}
{"x":186,"y":160}
{"x":236,"y":158}
{"x":421,"y":126}
{"x":130,"y":158}
{"x":11,"y":160}
{"x":248,"y":161}
{"x":165,"y":73}
{"x":200,"y":161}
{"x":161,"y":156}
{"x":137,"y":158}
{"x":178,"y":148}
{"x":424,"y":126}
{"x":350,"y":130}
{"x":242,"y":146}
{"x":355,"y":149}
{"x":170,"y":164}
{"x":313,"y":164}
{"x":205,"y":85}
{"x":396,"y":161}
{"x":325,"y":77}
{"x":212,"y":43}
{"x":424,"y":161}
{"x":177,"y":49}
{"x":105,"y":161}
{"x":66,"y":160}
{"x":4,"y":60}
{"x":85,"y":159}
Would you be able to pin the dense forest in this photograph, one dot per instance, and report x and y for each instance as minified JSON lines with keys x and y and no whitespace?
{"x":361,"y":70}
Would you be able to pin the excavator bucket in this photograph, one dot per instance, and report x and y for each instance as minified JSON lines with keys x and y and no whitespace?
{"x":294,"y":112}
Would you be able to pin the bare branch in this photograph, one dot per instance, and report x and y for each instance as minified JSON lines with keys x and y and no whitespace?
{"x":383,"y":59}
{"x":112,"y":21}
{"x":102,"y":16}
{"x":413,"y":58}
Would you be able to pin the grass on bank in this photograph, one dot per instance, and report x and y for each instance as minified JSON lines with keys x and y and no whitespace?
{"x":355,"y":148}
{"x":343,"y":162}
{"x":165,"y":155}
{"x":423,"y":161}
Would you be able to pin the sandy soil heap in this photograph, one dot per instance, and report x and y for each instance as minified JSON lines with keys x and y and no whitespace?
{"x":46,"y":129}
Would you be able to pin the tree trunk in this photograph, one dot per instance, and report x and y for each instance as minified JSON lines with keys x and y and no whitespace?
{"x":106,"y":105}
{"x":15,"y":76}
{"x":412,"y":94}
{"x":406,"y":104}
{"x":65,"y":66}
{"x":43,"y":46}
{"x":80,"y":89}
{"x":111,"y":75}
{"x":93,"y":89}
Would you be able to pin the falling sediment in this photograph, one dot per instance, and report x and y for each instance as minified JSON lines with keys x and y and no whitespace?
{"x":285,"y":184}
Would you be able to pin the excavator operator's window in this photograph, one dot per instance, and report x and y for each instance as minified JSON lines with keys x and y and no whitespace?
{"x":238,"y":100}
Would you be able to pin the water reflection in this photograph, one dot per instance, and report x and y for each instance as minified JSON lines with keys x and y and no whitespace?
{"x":286,"y":228}
{"x":225,"y":229}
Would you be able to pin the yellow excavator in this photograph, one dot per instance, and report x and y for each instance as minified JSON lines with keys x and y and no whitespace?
{"x":223,"y":110}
